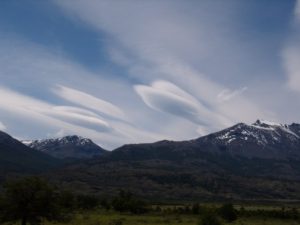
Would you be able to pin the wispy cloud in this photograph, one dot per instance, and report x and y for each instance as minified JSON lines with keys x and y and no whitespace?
{"x":91,"y":122}
{"x":171,"y":50}
{"x":191,"y":67}
{"x":50,"y":113}
{"x":297,"y":11}
{"x":228,"y":94}
{"x":2,"y":126}
{"x":89,"y":101}
{"x":64,"y":120}
{"x":291,"y":52}
{"x":291,"y":62}
{"x":167,"y":97}
{"x":63,"y":109}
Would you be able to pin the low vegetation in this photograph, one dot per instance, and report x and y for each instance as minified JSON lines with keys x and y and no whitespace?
{"x":33,"y":201}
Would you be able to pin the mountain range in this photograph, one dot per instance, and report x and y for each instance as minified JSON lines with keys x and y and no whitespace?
{"x":261,"y":139}
{"x":256,"y":161}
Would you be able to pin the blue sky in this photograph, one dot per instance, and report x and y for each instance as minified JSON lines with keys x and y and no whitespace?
{"x":141,"y":71}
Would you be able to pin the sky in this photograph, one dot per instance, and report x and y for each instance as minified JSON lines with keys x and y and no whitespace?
{"x":133,"y":71}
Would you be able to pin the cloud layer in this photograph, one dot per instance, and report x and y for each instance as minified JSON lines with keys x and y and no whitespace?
{"x":227,"y":94}
{"x":291,"y":54}
{"x":201,"y":66}
{"x":55,"y":115}
{"x":89,"y":101}
{"x":2,"y":126}
{"x":167,"y":97}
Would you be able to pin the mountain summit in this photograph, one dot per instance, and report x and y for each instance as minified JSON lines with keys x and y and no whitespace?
{"x":261,"y":139}
{"x":67,"y":147}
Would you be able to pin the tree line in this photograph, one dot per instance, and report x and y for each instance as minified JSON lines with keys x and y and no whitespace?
{"x":32,"y":200}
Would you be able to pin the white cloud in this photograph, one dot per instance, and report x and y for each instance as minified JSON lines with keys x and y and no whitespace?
{"x":91,"y":122}
{"x":44,"y":119}
{"x":172,"y":88}
{"x":291,"y":53}
{"x":89,"y":101}
{"x":291,"y":57}
{"x":40,"y":70}
{"x":132,"y":134}
{"x":71,"y":109}
{"x":2,"y":126}
{"x":66,"y":120}
{"x":297,"y":10}
{"x":167,"y":97}
{"x":153,"y":41}
{"x":58,"y":134}
{"x":19,"y":103}
{"x":202,"y":130}
{"x":170,"y":45}
{"x":204,"y":89}
{"x":227,"y":94}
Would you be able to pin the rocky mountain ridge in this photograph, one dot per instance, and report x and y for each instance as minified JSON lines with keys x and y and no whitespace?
{"x":67,"y":147}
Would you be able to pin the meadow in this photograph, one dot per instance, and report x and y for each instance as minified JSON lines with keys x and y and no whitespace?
{"x":99,"y":217}
{"x":33,"y":201}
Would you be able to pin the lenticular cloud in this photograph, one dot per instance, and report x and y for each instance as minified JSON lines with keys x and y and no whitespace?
{"x":89,"y":101}
{"x":166,"y":97}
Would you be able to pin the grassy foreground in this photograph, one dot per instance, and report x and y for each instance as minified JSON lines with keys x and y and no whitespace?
{"x":33,"y":201}
{"x":114,"y":218}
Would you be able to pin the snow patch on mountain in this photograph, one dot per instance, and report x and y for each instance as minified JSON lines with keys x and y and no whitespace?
{"x":67,"y":147}
{"x":27,"y":142}
{"x":76,"y":140}
{"x":261,"y":132}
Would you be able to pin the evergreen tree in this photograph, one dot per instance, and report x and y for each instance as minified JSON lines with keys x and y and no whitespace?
{"x":196,"y":208}
{"x":228,"y":213}
{"x":125,"y":202}
{"x":29,"y":200}
{"x":209,"y":218}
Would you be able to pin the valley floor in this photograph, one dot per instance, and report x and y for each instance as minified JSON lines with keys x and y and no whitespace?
{"x":111,"y":218}
{"x":166,"y":217}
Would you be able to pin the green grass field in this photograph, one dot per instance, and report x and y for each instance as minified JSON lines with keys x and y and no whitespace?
{"x":113,"y":218}
{"x":168,"y":215}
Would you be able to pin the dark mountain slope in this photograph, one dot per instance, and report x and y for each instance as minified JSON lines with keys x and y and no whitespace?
{"x":258,"y":161}
{"x":206,"y":177}
{"x":17,"y":157}
{"x":258,"y":140}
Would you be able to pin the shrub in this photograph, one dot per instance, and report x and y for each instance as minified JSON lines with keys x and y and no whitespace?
{"x":105,"y":204}
{"x":209,"y":219}
{"x":67,"y":200}
{"x":227,"y":212}
{"x":87,"y":201}
{"x":196,"y":208}
{"x":125,"y":202}
{"x":30,"y":200}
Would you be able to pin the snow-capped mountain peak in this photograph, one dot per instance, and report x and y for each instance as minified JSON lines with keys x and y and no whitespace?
{"x":266,"y":123}
{"x":260,"y":139}
{"x":27,"y":142}
{"x":263,"y":133}
{"x":78,"y":140}
{"x":67,"y":147}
